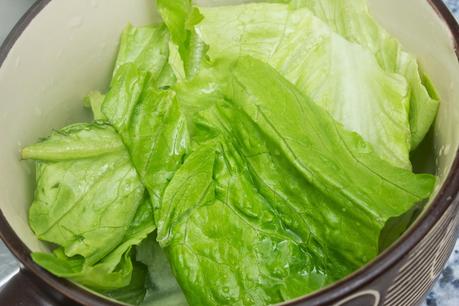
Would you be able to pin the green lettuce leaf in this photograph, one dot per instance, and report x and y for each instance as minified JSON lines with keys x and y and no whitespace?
{"x":90,"y":202}
{"x":241,"y":196}
{"x":112,"y":272}
{"x":148,"y":48}
{"x":152,"y":126}
{"x":232,"y":130}
{"x":352,"y":20}
{"x":217,"y":221}
{"x":342,"y":77}
{"x":256,"y":178}
{"x":180,"y":17}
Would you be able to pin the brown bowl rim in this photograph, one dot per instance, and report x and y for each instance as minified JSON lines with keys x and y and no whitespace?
{"x":326,"y":296}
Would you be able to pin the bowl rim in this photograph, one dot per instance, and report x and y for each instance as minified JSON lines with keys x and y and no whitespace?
{"x":326,"y":296}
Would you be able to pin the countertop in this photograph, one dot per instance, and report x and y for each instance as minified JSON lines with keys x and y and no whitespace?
{"x":444,"y":293}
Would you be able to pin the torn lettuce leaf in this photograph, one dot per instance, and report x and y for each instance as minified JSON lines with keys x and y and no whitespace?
{"x":252,"y":168}
{"x":115,"y":270}
{"x":247,"y":176}
{"x":341,"y":76}
{"x":75,"y":179}
{"x":148,"y":119}
{"x":78,"y":141}
{"x":152,"y":126}
{"x":212,"y":203}
{"x":261,"y":187}
{"x":147,"y":47}
{"x":180,"y":18}
{"x":352,"y":20}
{"x":90,"y":202}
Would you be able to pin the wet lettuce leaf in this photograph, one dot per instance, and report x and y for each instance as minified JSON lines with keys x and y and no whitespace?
{"x":152,"y":126}
{"x":240,"y":187}
{"x":148,"y":48}
{"x":180,"y":18}
{"x":280,"y":159}
{"x":267,"y":146}
{"x":352,"y":20}
{"x":89,"y":199}
{"x":343,"y":77}
{"x":89,"y":202}
{"x":112,"y":272}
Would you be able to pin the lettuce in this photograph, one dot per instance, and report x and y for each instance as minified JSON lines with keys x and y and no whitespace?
{"x":151,"y":124}
{"x":90,"y":202}
{"x":342,"y":77}
{"x":251,"y":170}
{"x":267,"y":146}
{"x":114,"y":271}
{"x":262,"y":191}
{"x":148,"y":48}
{"x":180,"y":17}
{"x":352,"y":20}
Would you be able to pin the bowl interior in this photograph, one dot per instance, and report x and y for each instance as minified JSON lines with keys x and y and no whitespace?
{"x":69,"y":47}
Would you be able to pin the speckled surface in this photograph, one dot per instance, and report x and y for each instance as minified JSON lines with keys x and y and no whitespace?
{"x":454,"y":6}
{"x":444,"y":293}
{"x":446,"y":290}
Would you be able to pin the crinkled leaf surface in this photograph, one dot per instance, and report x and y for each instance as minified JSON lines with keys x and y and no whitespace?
{"x":352,"y":20}
{"x":264,"y":187}
{"x":148,"y":48}
{"x":152,"y":126}
{"x":114,"y":271}
{"x":301,"y":199}
{"x":341,"y":76}
{"x":90,"y":202}
{"x":180,"y":17}
{"x":259,"y":195}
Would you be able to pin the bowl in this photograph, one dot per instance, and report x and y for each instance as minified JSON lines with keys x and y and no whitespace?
{"x":60,"y":50}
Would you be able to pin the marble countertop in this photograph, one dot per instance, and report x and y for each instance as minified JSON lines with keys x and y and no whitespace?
{"x":445,"y":291}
